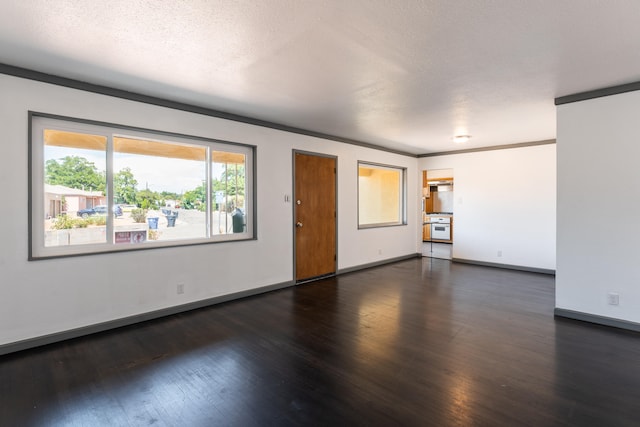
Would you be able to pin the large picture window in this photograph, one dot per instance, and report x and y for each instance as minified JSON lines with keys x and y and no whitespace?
{"x":381,"y":195}
{"x":99,"y":188}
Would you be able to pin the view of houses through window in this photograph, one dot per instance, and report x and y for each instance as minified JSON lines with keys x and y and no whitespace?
{"x":108,"y":188}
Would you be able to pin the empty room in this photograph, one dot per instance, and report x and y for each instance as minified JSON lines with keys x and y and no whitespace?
{"x":319,"y":213}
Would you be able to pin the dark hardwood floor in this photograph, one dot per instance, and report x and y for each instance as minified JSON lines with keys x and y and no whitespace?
{"x":421,"y":342}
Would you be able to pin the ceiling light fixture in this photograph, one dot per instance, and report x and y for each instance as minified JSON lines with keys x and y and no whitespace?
{"x":459,"y":139}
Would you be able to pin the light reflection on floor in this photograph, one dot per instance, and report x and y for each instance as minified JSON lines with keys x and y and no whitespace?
{"x":437,"y":250}
{"x":224,"y":383}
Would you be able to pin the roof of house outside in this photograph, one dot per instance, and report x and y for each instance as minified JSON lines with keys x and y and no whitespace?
{"x":67,"y":191}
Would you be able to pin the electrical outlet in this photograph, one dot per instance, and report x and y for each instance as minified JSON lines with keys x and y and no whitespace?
{"x":379,"y":251}
{"x":180,"y":288}
{"x":613,"y":298}
{"x":499,"y":254}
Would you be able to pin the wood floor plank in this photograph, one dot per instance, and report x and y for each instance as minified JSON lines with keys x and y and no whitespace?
{"x":422,"y":342}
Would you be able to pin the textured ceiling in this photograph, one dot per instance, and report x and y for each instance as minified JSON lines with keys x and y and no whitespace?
{"x":407,"y":75}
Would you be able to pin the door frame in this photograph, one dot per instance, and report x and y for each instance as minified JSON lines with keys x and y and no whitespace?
{"x":293,"y":212}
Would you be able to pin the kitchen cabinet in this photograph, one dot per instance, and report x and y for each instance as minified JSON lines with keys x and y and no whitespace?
{"x":426,"y":190}
{"x":428,"y":205}
{"x":426,"y":232}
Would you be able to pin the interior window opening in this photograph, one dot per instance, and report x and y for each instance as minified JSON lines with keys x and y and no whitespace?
{"x":381,"y":195}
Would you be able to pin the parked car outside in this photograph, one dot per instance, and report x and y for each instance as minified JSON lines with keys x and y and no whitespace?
{"x":99,"y":210}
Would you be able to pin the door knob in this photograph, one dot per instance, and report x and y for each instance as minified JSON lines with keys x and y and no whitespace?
{"x":298,"y":224}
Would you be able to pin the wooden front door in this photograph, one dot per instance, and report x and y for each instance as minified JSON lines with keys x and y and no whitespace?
{"x":314,"y":215}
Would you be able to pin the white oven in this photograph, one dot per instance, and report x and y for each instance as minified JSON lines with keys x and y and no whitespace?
{"x":440,"y":228}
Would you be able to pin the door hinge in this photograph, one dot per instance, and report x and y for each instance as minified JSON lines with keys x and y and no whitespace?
{"x":334,"y":258}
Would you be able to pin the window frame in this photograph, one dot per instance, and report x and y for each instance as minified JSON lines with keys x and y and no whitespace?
{"x":38,"y":121}
{"x":402,"y":195}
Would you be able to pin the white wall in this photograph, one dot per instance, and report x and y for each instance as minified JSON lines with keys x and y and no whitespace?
{"x":37,"y":299}
{"x":599,"y":206}
{"x":504,"y":200}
